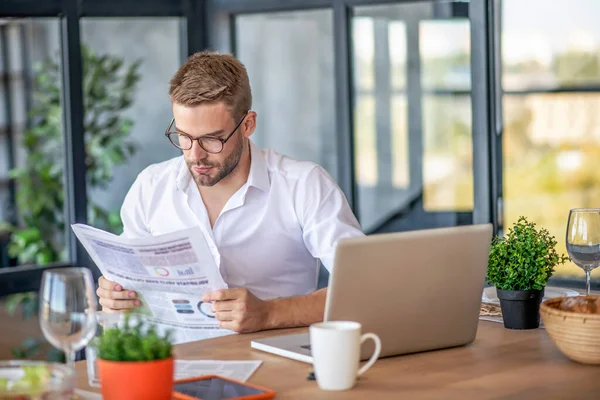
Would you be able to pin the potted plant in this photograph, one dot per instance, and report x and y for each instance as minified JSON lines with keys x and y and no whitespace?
{"x":519,"y":266}
{"x":135,"y":362}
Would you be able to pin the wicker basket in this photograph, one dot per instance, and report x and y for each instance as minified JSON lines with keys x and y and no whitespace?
{"x":577,"y":335}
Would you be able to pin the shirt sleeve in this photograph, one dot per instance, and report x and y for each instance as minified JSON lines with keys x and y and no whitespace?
{"x":324,"y":214}
{"x":133,"y":211}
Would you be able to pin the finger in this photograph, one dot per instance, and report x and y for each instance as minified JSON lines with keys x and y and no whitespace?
{"x":231,"y":325}
{"x":108,"y":285}
{"x":224,"y":316}
{"x":119,"y":304}
{"x":224,"y":305}
{"x":111,"y":294}
{"x":230,"y":305}
{"x":223,"y":294}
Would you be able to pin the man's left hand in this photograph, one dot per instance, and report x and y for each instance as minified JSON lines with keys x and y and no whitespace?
{"x":239,"y":310}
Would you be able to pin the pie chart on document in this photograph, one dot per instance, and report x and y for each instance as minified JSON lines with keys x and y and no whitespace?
{"x":206,"y":309}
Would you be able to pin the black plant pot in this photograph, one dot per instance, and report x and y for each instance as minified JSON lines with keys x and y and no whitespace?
{"x":521,"y":308}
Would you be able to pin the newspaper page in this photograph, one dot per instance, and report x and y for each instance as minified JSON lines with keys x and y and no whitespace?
{"x":238,"y":370}
{"x":170,"y":273}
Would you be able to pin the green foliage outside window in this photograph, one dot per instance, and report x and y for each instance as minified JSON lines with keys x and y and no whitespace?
{"x":108,"y":91}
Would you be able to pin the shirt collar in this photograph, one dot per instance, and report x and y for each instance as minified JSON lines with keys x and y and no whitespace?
{"x":183,"y":176}
{"x":258,"y":176}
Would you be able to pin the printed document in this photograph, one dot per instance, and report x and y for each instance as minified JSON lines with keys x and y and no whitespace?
{"x":170,"y":273}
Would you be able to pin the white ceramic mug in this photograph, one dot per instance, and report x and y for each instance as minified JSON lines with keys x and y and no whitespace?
{"x":335,"y":348}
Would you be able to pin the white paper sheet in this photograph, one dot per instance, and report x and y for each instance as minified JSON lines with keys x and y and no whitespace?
{"x":170,"y":273}
{"x":238,"y":370}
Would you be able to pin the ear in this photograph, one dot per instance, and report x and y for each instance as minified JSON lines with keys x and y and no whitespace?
{"x":249,"y":124}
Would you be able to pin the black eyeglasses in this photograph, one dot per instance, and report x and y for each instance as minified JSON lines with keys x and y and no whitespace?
{"x":210,"y":144}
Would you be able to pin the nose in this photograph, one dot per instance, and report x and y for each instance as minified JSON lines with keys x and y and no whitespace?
{"x":197,"y":152}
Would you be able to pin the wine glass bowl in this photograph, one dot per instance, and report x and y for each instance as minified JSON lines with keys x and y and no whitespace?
{"x":583,"y":240}
{"x":68,"y":309}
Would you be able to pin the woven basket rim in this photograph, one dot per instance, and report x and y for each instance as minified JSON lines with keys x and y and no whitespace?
{"x":547,"y":307}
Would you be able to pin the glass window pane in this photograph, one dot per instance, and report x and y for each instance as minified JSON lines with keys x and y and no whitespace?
{"x":551,"y":149}
{"x":447,"y":139}
{"x":292,"y":78}
{"x":413,"y":141}
{"x":550,"y":139}
{"x":128,"y":62}
{"x":33,"y":91}
{"x":32,"y":146}
{"x":445,"y":48}
{"x":552,"y":51}
{"x":400,"y":171}
{"x":448,"y":153}
{"x":397,"y":48}
{"x":365,"y":140}
{"x":380,"y":114}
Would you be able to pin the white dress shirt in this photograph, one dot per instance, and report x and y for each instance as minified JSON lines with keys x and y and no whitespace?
{"x":270,"y":233}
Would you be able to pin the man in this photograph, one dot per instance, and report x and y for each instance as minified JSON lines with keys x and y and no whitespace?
{"x":266,"y":217}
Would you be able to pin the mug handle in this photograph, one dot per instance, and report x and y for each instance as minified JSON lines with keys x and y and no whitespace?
{"x":375,"y":355}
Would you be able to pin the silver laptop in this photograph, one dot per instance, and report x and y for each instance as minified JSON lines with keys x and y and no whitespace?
{"x":418,"y":290}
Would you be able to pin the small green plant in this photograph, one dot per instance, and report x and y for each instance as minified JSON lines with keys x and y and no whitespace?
{"x":137,"y":341}
{"x":523,"y":260}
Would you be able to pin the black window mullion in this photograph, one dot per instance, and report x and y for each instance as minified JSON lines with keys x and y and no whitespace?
{"x":232,"y":33}
{"x":30,"y":8}
{"x":195,"y":28}
{"x":342,"y":15}
{"x":414,"y":100}
{"x":264,"y":6}
{"x":356,"y":3}
{"x":73,"y":116}
{"x":132,"y":8}
{"x":496,"y":155}
{"x":482,"y":69}
{"x":219,"y":27}
{"x":9,"y":124}
{"x":592,"y":88}
{"x":383,"y":107}
{"x":26,"y":278}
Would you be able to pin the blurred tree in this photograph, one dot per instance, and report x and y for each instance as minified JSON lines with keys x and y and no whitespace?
{"x":437,"y":70}
{"x":108,"y":91}
{"x":574,"y":67}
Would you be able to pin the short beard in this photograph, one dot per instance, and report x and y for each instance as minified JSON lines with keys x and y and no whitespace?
{"x":230,"y":163}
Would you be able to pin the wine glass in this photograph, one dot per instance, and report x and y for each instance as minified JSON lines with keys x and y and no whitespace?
{"x":583,"y":240}
{"x":68,"y":309}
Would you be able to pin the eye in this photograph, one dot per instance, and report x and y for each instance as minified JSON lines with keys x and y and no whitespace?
{"x":211,"y":144}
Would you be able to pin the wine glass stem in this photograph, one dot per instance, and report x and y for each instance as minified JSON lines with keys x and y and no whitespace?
{"x":71,"y":354}
{"x":587,"y":282}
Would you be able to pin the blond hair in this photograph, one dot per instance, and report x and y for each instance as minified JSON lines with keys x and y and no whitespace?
{"x":210,"y":77}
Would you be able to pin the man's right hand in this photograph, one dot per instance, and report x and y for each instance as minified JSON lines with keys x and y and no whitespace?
{"x":114,"y":298}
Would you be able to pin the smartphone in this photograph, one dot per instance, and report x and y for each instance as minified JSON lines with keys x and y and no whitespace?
{"x":214,"y":387}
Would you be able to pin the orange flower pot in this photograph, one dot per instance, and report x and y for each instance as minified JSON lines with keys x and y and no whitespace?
{"x":136,"y":380}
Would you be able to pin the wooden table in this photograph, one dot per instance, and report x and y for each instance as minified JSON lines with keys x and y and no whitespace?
{"x":500,"y":364}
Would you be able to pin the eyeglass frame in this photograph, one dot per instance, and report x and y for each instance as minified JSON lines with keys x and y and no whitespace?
{"x":192,"y":140}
